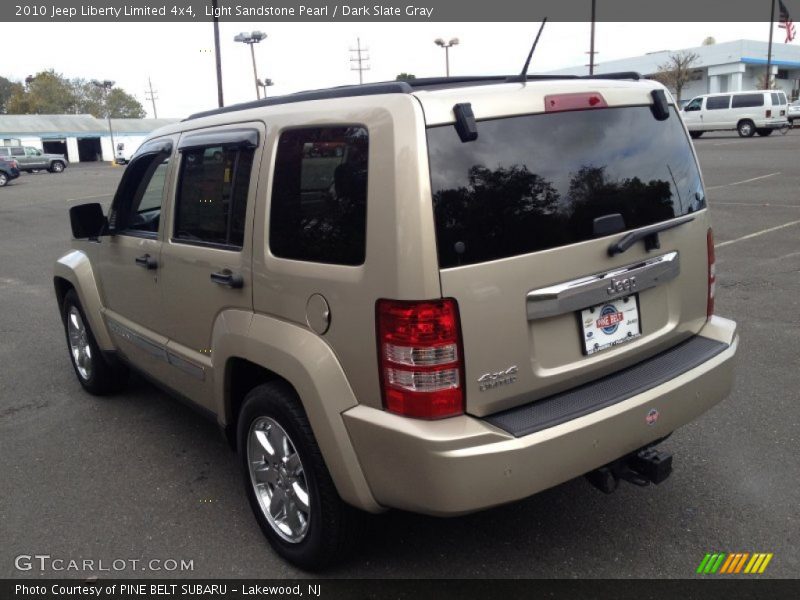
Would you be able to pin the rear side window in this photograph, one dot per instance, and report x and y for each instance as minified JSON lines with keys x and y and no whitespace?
{"x":17,"y":151}
{"x":717,"y":102}
{"x":776,"y":99}
{"x":319,"y":195}
{"x":536,"y":182}
{"x":747,"y":100}
{"x":211,"y":202}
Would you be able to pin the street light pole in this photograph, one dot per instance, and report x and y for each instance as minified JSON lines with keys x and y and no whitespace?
{"x":446,"y":45}
{"x":106,"y":86}
{"x":252,"y":38}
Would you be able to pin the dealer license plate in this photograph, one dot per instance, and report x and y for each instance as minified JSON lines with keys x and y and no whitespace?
{"x":610,"y":324}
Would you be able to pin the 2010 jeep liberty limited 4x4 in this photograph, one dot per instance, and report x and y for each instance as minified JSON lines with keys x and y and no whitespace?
{"x":439,"y":296}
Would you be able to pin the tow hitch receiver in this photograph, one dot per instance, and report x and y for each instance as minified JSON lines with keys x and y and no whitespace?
{"x":639,"y":468}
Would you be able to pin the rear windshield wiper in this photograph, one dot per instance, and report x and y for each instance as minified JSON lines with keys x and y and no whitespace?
{"x":648,"y":234}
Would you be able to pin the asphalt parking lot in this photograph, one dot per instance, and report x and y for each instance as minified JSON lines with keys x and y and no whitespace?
{"x":141,"y":476}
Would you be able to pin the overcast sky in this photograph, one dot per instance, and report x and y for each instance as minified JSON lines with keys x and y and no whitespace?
{"x":180,"y":60}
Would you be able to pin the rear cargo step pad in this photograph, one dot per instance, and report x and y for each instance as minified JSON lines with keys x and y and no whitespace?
{"x":619,"y":386}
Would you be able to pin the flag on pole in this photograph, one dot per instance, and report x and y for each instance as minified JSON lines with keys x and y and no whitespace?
{"x":785,"y":22}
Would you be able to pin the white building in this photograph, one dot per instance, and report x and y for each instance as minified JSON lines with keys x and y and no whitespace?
{"x":725,"y":67}
{"x":81,"y":138}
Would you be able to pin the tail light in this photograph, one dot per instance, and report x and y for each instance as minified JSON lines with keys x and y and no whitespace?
{"x":420,"y":358}
{"x":769,"y":114}
{"x":712,"y":273}
{"x":579,"y":101}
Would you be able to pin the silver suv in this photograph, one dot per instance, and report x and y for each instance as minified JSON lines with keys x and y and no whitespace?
{"x":437,"y":296}
{"x":33,"y":159}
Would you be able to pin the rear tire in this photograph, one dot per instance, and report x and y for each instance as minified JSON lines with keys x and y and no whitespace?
{"x":764,"y":132}
{"x":57,"y":167}
{"x":696,"y":134}
{"x":3,"y":179}
{"x":95,"y":372}
{"x":746,"y":128}
{"x":287,"y":483}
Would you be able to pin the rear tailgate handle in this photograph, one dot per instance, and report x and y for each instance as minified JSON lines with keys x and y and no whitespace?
{"x":227,"y":278}
{"x":588,"y":291}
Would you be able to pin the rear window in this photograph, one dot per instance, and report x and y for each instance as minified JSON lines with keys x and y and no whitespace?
{"x":535,"y":182}
{"x":747,"y":100}
{"x":717,"y":102}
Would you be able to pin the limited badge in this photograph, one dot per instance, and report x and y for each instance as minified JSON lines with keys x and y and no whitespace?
{"x":652,"y":416}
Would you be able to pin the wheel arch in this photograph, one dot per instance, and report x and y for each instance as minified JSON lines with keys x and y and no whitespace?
{"x":74,"y":271}
{"x":249,"y":350}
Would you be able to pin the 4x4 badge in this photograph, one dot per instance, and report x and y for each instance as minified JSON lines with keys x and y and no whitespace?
{"x":489,"y":381}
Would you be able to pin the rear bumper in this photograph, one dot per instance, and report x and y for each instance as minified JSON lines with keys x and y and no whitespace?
{"x":774,"y":124}
{"x":464,"y":464}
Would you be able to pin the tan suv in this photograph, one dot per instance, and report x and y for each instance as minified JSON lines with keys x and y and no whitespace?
{"x":437,"y":296}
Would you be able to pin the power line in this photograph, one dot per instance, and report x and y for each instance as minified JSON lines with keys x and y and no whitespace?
{"x":360,"y":57}
{"x":150,"y":94}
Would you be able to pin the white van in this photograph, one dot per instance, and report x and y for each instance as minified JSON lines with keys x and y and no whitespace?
{"x":758,"y":111}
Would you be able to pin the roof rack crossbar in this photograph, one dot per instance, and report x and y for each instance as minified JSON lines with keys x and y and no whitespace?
{"x":618,"y":75}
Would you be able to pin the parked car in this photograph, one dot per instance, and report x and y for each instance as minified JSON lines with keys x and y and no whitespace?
{"x":793,"y":112}
{"x":438,"y":296}
{"x":33,"y":159}
{"x":758,"y":111}
{"x":9,"y":170}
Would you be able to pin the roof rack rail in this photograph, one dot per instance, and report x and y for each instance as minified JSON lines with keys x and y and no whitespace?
{"x":344,"y":91}
{"x":400,"y":87}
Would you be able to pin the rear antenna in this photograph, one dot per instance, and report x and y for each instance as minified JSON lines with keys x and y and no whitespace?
{"x":522,"y":77}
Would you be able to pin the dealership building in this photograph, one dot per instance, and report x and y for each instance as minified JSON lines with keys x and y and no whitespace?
{"x":725,"y":67}
{"x":81,"y":138}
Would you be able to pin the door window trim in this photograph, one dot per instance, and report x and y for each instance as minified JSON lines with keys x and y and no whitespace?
{"x":238,"y":139}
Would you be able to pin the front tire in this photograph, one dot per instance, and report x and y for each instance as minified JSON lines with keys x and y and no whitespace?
{"x":764,"y":132}
{"x":288,"y":485}
{"x":95,"y":372}
{"x":3,"y":179}
{"x":57,"y":167}
{"x":746,"y":128}
{"x":696,"y":134}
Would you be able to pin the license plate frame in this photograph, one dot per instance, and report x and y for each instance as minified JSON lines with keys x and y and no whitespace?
{"x":621,"y":317}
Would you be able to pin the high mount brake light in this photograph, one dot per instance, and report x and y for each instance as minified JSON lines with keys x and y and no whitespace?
{"x":420,"y":358}
{"x":579,"y":101}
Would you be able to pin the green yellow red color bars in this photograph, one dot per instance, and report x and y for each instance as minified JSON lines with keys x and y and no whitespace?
{"x":735,"y":562}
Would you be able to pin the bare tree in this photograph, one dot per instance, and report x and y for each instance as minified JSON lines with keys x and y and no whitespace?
{"x":709,"y":41}
{"x":677,"y":71}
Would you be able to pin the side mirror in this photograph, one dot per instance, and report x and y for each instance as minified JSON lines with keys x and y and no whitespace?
{"x":87,"y":220}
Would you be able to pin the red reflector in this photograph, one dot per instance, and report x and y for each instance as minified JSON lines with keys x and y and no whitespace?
{"x":420,"y":358}
{"x":579,"y":101}
{"x":712,"y":273}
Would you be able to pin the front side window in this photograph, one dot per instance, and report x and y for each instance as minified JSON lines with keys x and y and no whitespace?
{"x":211,"y":201}
{"x":136,"y":209}
{"x":776,"y":99}
{"x":319,"y":195}
{"x":695,"y":104}
{"x":747,"y":100}
{"x":535,"y":182}
{"x":717,"y":102}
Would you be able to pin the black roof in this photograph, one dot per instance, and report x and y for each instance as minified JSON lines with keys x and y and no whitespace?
{"x":401,"y":87}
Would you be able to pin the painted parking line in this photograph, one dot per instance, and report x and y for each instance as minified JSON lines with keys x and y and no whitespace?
{"x":758,"y":233}
{"x":713,"y":187}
